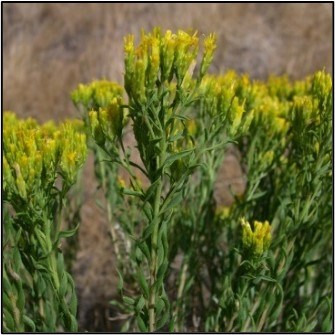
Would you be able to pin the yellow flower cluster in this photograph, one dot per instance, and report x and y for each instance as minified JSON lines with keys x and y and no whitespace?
{"x":98,"y":93}
{"x":33,"y":154}
{"x":161,"y":57}
{"x":305,"y":110}
{"x":257,"y":240}
{"x":219,"y":96}
{"x":273,"y":115}
{"x":321,"y":84}
{"x":103,"y":101}
{"x":273,"y":105}
{"x":73,"y":151}
{"x":106,"y":122}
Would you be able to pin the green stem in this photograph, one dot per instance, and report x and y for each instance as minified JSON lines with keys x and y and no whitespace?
{"x":154,"y":241}
{"x":178,"y":314}
{"x":109,"y":206}
{"x":153,"y":263}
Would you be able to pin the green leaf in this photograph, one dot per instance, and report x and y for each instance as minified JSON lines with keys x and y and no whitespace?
{"x":160,"y":304}
{"x":30,"y":323}
{"x":128,"y":300}
{"x":6,"y":286}
{"x":160,"y":251}
{"x":147,"y":232}
{"x":145,"y":249}
{"x":7,"y":302}
{"x":125,"y":327}
{"x":73,"y":304}
{"x":67,"y":233}
{"x":138,"y":254}
{"x":20,"y":297}
{"x":164,"y":235}
{"x":326,"y":325}
{"x":266,"y":278}
{"x":161,"y":323}
{"x":41,"y":267}
{"x":128,"y":191}
{"x":155,"y":140}
{"x":151,"y":189}
{"x":63,"y":285}
{"x":162,"y":270}
{"x":171,"y":325}
{"x":143,"y":283}
{"x":50,"y":314}
{"x":42,"y":239}
{"x":176,"y":137}
{"x":189,"y":283}
{"x":17,"y":258}
{"x":178,"y":117}
{"x":8,"y":320}
{"x":141,"y":325}
{"x":120,"y":281}
{"x":147,"y":209}
{"x":171,"y":202}
{"x":173,"y":157}
{"x":73,"y":324}
{"x":140,"y":304}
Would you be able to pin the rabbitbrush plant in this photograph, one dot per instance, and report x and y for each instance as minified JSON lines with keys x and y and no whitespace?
{"x":254,"y":265}
{"x":40,"y":164}
{"x":185,"y":261}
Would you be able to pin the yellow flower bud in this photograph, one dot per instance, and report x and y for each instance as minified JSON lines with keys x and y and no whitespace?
{"x":267,"y":158}
{"x":7,"y":177}
{"x":186,"y":51}
{"x":82,"y":95}
{"x":210,"y":46}
{"x":168,"y":46}
{"x":154,"y":64}
{"x":95,"y":127}
{"x":49,"y":151}
{"x":236,"y":111}
{"x":191,"y":126}
{"x":129,"y":45}
{"x":247,"y":122}
{"x":73,"y":153}
{"x":223,"y":212}
{"x":257,"y":240}
{"x":322,"y":84}
{"x":121,"y":182}
{"x":20,"y":183}
{"x":138,"y":85}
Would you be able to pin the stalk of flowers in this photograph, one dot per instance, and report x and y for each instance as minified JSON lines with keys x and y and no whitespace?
{"x":182,"y":123}
{"x":264,"y":144}
{"x":297,"y":199}
{"x":220,"y":117}
{"x":100,"y":103}
{"x":306,"y":212}
{"x":161,"y":85}
{"x":34,"y":156}
{"x":158,"y":80}
{"x":98,"y":93}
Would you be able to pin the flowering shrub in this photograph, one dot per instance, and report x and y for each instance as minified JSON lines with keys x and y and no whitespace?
{"x":39,"y":294}
{"x":261,"y":264}
{"x":234,"y":275}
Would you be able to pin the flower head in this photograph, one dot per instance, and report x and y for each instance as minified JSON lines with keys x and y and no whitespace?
{"x":256,"y":239}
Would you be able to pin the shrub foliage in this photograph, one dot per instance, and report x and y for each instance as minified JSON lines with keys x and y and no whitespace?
{"x":264,"y":263}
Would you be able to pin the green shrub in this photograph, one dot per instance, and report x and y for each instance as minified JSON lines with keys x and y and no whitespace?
{"x":264,"y":263}
{"x":253,"y":266}
{"x":40,"y":165}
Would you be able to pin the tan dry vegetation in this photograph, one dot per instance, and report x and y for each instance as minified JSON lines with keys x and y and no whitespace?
{"x":49,"y":48}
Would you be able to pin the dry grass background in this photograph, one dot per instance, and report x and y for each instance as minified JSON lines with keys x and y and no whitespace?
{"x":49,"y":48}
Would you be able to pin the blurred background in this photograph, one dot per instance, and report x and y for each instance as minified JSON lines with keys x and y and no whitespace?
{"x":48,"y":49}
